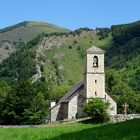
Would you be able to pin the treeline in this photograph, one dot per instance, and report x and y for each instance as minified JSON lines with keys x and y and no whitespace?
{"x":123,"y":33}
{"x":103,"y":32}
{"x":74,"y":33}
{"x":14,"y":26}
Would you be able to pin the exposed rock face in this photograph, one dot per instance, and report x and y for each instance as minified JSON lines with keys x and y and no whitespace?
{"x":6,"y":49}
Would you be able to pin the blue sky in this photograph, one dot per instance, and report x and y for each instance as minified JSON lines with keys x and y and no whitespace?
{"x":70,"y":14}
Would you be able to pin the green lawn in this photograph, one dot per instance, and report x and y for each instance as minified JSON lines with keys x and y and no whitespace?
{"x":129,"y":130}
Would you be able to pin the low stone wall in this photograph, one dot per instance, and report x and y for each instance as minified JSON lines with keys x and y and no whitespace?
{"x":123,"y":117}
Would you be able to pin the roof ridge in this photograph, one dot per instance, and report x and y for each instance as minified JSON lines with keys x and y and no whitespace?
{"x":95,"y":49}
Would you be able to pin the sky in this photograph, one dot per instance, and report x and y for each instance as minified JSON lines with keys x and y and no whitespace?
{"x":71,"y":14}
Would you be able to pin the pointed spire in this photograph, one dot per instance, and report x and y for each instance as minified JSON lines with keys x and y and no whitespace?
{"x":95,"y":49}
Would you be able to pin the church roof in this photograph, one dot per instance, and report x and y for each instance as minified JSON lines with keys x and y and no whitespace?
{"x":69,"y":95}
{"x":95,"y":49}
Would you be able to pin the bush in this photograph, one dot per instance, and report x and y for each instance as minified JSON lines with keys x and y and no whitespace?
{"x":97,"y":109}
{"x":70,"y":47}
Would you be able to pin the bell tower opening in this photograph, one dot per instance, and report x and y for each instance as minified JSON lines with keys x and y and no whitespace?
{"x":95,"y":61}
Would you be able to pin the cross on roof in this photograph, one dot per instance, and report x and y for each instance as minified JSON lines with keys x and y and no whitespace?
{"x":125,"y":106}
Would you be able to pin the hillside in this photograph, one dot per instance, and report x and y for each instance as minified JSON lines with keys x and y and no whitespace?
{"x":123,"y":57}
{"x":28,"y":30}
{"x":64,"y":61}
{"x":52,"y":63}
{"x":13,"y":36}
{"x":128,"y":130}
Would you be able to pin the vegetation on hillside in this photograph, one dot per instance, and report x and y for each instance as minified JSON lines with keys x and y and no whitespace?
{"x":28,"y":30}
{"x":123,"y":65}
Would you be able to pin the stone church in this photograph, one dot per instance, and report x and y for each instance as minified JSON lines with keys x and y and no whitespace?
{"x":71,"y":105}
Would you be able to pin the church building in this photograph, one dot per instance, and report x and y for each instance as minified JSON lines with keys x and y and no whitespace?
{"x":70,"y":106}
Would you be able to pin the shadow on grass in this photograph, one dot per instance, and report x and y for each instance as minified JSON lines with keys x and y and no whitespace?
{"x":90,"y":121}
{"x":129,"y":130}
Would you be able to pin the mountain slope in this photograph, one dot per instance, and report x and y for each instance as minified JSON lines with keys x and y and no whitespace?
{"x":27,"y":30}
{"x":13,"y":36}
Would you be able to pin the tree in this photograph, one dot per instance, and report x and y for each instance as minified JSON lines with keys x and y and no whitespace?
{"x":17,"y":101}
{"x":97,"y":109}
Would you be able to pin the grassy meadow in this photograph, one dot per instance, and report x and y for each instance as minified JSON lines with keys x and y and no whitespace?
{"x":129,"y":130}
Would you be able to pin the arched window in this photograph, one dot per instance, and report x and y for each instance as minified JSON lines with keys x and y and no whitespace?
{"x":95,"y":61}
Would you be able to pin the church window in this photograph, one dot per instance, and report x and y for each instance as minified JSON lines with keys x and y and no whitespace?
{"x":95,"y":81}
{"x":95,"y":93}
{"x":95,"y":61}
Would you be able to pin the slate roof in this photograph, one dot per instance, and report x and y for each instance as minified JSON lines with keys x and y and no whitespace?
{"x":95,"y":49}
{"x":69,"y":95}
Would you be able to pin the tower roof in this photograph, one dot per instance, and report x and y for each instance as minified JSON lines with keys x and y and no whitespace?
{"x":94,"y":49}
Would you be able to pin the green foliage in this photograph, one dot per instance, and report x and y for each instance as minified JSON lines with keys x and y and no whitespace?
{"x":123,"y":57}
{"x":123,"y":33}
{"x":58,"y":92}
{"x":70,"y":47}
{"x":103,"y":32}
{"x":135,"y":81}
{"x":4,"y":89}
{"x":38,"y":112}
{"x":122,"y":92}
{"x":97,"y":109}
{"x":23,"y":105}
{"x":42,"y":68}
{"x":21,"y":64}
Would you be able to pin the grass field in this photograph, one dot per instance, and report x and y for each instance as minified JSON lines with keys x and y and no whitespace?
{"x":129,"y":130}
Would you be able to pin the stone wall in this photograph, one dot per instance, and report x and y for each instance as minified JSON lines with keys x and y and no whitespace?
{"x":54,"y":113}
{"x":72,"y":108}
{"x":81,"y":103}
{"x":123,"y":117}
{"x":113,"y":105}
{"x":95,"y":89}
{"x":59,"y":112}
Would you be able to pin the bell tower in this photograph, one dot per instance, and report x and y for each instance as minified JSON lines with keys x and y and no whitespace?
{"x":94,"y":73}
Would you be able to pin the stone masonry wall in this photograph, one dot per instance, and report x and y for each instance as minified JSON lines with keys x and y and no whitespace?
{"x":72,"y":108}
{"x":123,"y":117}
{"x":113,"y":105}
{"x":54,"y":113}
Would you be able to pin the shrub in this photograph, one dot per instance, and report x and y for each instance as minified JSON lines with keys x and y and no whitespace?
{"x":70,"y":47}
{"x":97,"y":109}
{"x":75,"y":41}
{"x":78,"y":48}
